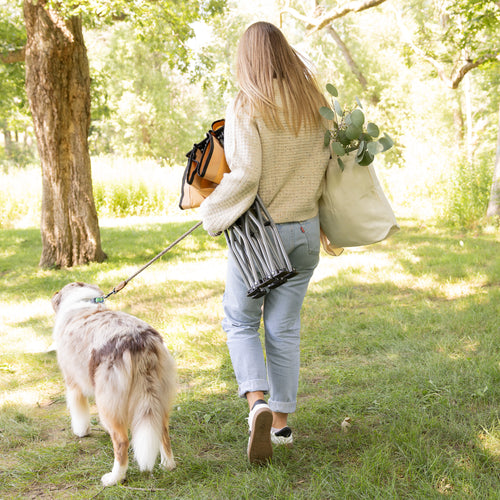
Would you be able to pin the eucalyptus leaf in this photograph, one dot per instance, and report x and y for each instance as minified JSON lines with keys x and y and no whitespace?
{"x":361,"y":150}
{"x":332,"y":90}
{"x":341,"y":164}
{"x":386,"y":142}
{"x":327,"y":113}
{"x":359,"y":102}
{"x":342,"y":137}
{"x":338,"y":108}
{"x":352,"y":132}
{"x":388,"y":137}
{"x":366,"y":159}
{"x":327,"y":138}
{"x":372,"y":129}
{"x":358,"y":118}
{"x":374,"y":148}
{"x":338,"y":149}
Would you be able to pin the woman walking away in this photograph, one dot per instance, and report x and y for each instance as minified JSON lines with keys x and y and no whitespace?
{"x":274,"y":144}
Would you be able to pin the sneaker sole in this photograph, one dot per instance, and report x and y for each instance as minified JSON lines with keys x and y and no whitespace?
{"x":260,"y":449}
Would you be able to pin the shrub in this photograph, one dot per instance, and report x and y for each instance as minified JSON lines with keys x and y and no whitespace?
{"x":467,"y":193}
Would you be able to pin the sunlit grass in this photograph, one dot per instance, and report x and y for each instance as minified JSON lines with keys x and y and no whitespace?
{"x":402,"y":337}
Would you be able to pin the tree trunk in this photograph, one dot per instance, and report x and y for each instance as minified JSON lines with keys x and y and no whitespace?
{"x":494,"y":204}
{"x":58,"y":89}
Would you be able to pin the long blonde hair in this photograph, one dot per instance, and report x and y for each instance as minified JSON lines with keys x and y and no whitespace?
{"x":264,"y":57}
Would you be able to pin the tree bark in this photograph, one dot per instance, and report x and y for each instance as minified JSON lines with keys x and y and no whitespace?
{"x":58,"y":89}
{"x":494,"y":203}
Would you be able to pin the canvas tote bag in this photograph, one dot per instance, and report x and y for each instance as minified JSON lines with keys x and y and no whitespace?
{"x":353,"y":209}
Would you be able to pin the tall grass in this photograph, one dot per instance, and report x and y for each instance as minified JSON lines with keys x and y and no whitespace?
{"x":467,"y":191}
{"x":20,"y":196}
{"x":125,"y":187}
{"x":122,"y":187}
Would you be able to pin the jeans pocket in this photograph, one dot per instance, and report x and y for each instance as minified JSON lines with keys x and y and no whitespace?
{"x":310,"y":228}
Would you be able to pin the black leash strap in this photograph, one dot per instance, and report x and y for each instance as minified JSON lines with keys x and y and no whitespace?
{"x":122,"y":285}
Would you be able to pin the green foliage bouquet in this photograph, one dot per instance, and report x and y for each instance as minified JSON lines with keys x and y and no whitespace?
{"x":349,"y":132}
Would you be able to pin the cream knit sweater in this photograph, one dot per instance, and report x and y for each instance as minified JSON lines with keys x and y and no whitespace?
{"x":285,"y":170}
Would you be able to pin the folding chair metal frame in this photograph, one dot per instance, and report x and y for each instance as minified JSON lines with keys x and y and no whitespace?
{"x":258,"y":250}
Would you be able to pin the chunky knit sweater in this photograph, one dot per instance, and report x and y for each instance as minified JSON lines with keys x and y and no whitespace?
{"x":284,"y":169}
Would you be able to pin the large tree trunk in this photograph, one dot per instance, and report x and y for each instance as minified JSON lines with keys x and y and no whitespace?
{"x":494,"y":204}
{"x":58,"y":89}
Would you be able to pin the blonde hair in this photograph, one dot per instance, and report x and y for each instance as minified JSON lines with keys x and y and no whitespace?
{"x":264,"y":57}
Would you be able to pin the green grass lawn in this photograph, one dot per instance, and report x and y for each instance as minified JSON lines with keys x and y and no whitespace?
{"x":402,"y":337}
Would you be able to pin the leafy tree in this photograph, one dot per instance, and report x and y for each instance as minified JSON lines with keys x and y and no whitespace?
{"x":456,"y":37}
{"x":58,"y":89}
{"x":14,"y":115}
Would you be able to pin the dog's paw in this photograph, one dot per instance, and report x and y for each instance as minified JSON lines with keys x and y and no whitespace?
{"x":110,"y":479}
{"x":168,"y":463}
{"x":81,"y":430}
{"x":117,"y":475}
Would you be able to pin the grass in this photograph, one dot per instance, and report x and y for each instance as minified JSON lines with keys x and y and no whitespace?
{"x":401,"y":337}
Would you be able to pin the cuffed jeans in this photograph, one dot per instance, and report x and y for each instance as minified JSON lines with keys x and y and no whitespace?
{"x":278,"y":372}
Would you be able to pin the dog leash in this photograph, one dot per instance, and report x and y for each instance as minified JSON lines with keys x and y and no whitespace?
{"x":122,"y":284}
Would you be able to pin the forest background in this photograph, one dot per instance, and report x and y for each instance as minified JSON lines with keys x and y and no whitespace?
{"x":153,"y":97}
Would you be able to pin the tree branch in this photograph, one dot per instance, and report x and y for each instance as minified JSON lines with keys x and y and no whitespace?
{"x":461,"y":68}
{"x":12,"y":56}
{"x":459,"y":73}
{"x":307,"y":20}
{"x":347,"y":56}
{"x":316,"y":23}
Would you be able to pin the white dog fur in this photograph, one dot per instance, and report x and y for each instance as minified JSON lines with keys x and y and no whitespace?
{"x":123,"y":362}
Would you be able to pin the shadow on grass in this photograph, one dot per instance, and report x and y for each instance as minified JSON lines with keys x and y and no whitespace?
{"x":21,"y":249}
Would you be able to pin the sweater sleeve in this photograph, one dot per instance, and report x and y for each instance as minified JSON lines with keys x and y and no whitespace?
{"x":238,"y":188}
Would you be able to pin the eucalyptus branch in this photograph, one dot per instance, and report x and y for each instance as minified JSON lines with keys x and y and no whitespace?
{"x":349,"y":132}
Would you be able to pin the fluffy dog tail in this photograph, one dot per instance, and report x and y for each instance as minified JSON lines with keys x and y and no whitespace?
{"x":152,"y":395}
{"x":146,"y":438}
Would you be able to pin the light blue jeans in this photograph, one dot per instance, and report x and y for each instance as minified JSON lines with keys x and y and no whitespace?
{"x":276,"y":373}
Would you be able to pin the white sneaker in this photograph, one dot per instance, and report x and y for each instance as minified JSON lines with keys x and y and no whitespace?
{"x":260,"y":420}
{"x":282,"y":436}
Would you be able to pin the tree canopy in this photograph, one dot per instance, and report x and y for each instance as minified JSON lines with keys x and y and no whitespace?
{"x":161,"y":71}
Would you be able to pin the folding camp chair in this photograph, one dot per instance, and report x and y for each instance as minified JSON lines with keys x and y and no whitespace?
{"x":258,"y":250}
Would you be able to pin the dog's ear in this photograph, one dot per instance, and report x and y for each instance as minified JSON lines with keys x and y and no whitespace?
{"x":56,"y":301}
